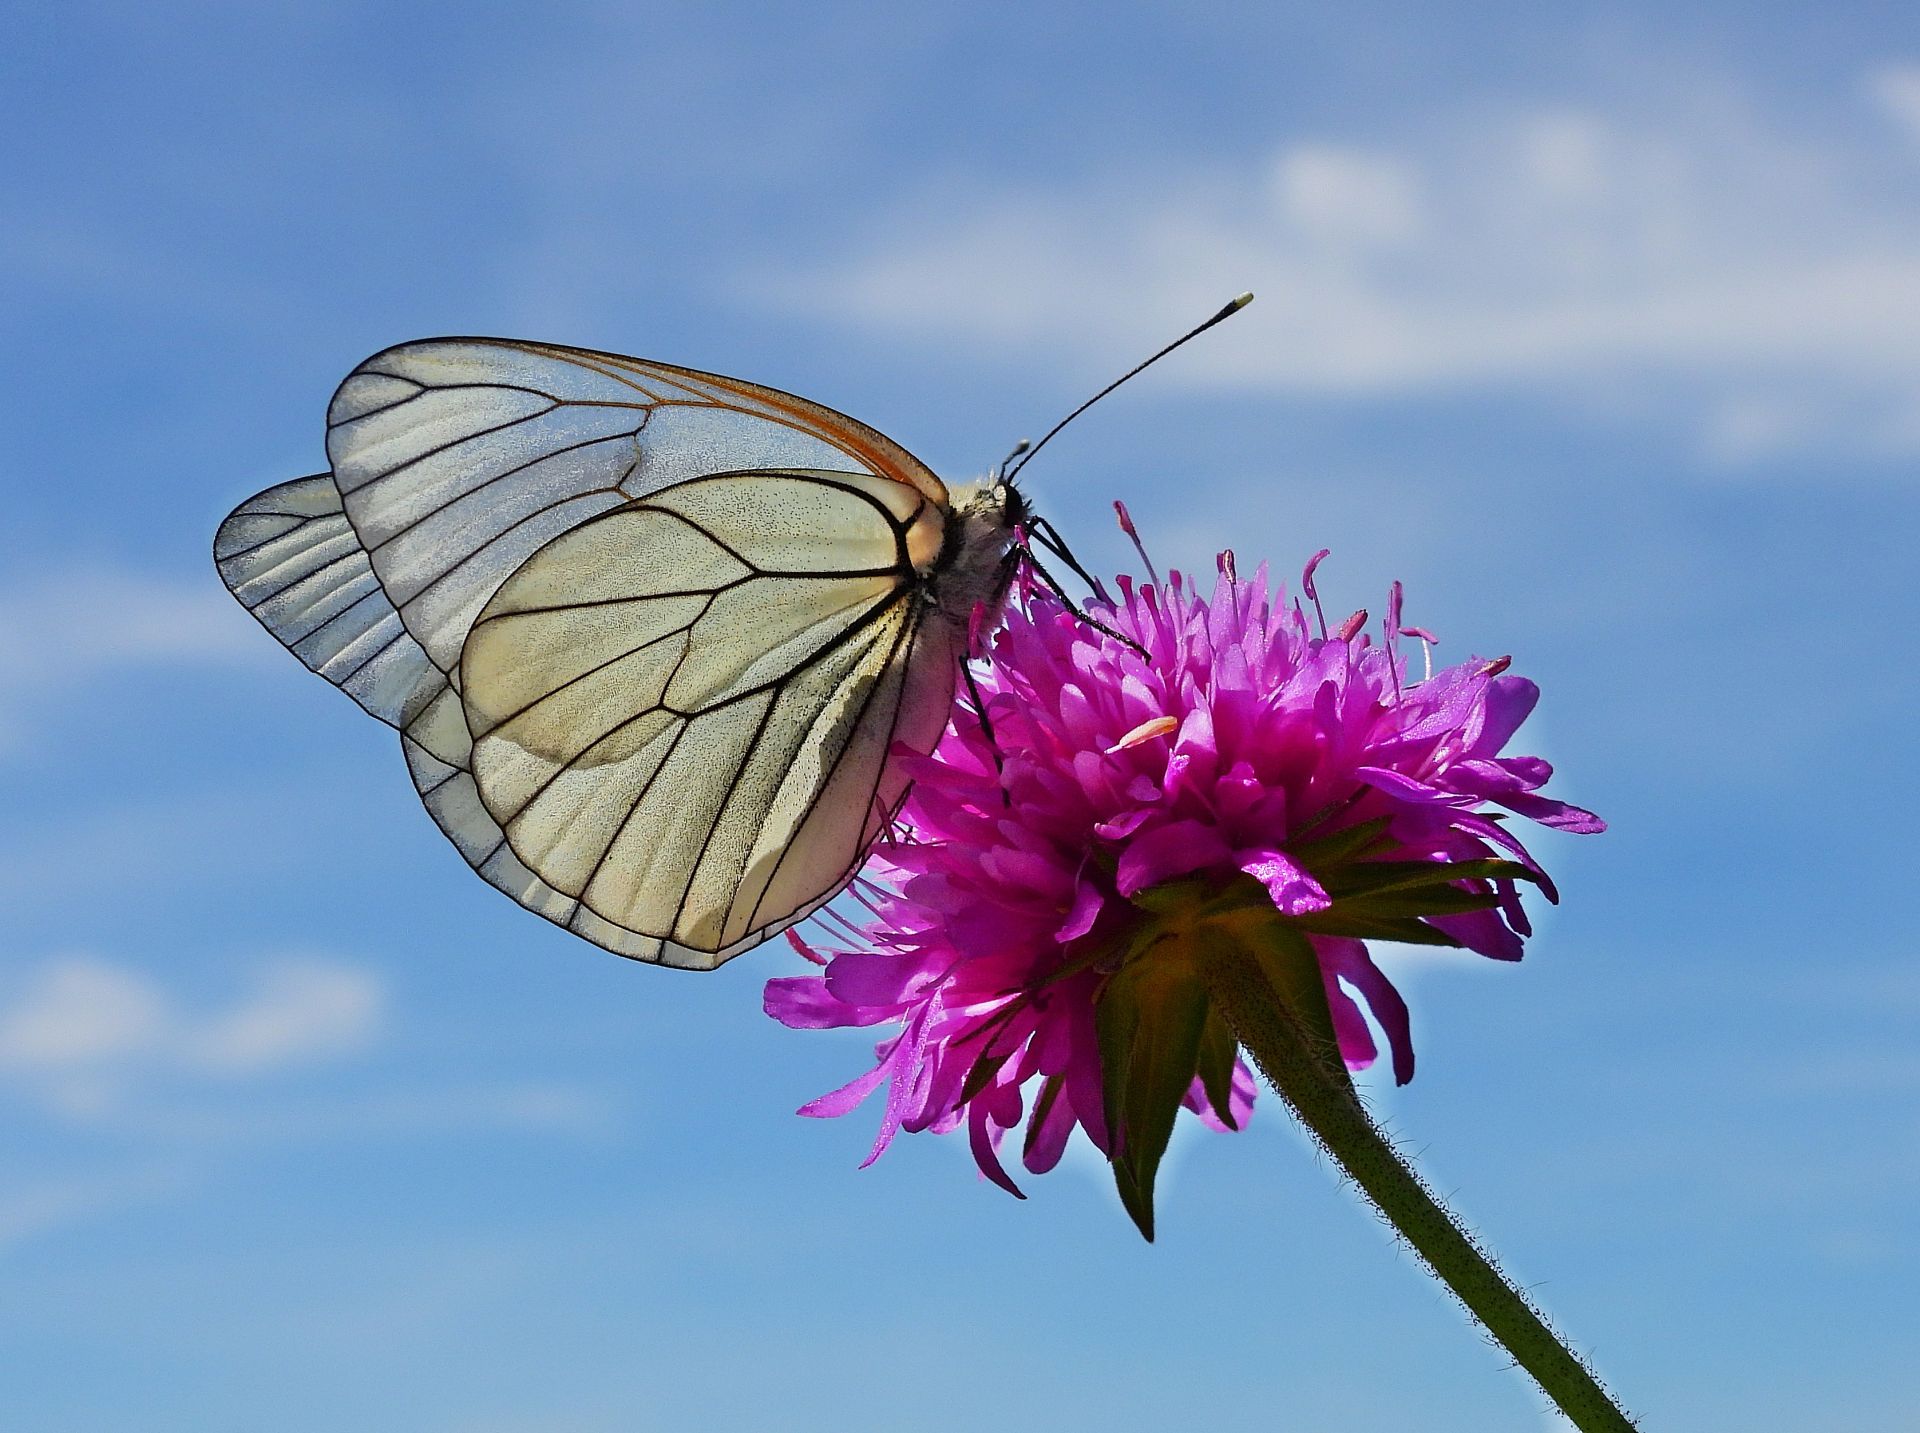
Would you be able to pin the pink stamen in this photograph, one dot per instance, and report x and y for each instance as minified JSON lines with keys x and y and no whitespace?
{"x":1352,"y":625}
{"x":1391,"y":628}
{"x":1126,"y":526}
{"x":1313,"y":596}
{"x":826,"y":913}
{"x":1496,"y":666}
{"x":807,"y":952}
{"x":1226,"y":566}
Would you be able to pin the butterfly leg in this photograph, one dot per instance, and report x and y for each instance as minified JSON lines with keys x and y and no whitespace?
{"x":1049,"y":537}
{"x":1052,"y":585}
{"x":986,"y":730}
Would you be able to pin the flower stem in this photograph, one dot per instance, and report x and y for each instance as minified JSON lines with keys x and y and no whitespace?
{"x":1326,"y":1104}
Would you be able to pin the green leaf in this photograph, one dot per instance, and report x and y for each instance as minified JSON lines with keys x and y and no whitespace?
{"x":1360,"y":927}
{"x":1149,"y":1020}
{"x":1375,"y":877}
{"x":1338,"y":846}
{"x":1217,"y":1051}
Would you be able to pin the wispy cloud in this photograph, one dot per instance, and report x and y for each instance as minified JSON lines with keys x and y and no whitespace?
{"x":1896,"y":90}
{"x":33,"y":1209}
{"x":65,"y":628}
{"x":101,"y":1044}
{"x":1693,"y":258}
{"x":79,"y":1032}
{"x":69,"y":625}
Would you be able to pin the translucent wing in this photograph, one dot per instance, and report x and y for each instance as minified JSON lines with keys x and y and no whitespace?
{"x":682,"y":710}
{"x":458,"y":458}
{"x":292,"y":559}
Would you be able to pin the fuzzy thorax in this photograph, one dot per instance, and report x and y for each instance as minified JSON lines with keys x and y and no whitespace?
{"x":975,"y":566}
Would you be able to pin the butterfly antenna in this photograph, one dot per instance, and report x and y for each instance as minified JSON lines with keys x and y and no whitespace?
{"x":1000,"y":468}
{"x":1025,"y":454}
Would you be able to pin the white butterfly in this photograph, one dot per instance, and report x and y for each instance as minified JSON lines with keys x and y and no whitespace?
{"x":649,"y":635}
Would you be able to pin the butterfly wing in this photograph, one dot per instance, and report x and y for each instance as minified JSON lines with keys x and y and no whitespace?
{"x":682,"y":710}
{"x":457,"y":458}
{"x":291,"y":557}
{"x":454,"y":460}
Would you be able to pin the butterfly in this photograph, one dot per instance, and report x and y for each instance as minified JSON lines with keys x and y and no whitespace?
{"x":654,"y":639}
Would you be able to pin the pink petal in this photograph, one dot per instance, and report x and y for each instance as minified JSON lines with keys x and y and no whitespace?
{"x":1178,"y":849}
{"x":803,"y":1002}
{"x":1351,"y":962}
{"x":1294,"y":890}
{"x":838,"y":1102}
{"x":1088,"y":900}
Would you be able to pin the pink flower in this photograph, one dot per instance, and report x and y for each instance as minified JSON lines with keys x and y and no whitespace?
{"x":1246,"y":745}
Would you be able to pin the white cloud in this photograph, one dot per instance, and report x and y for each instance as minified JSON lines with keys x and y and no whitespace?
{"x":79,"y":1031}
{"x":29,"y":1211}
{"x":63,"y":629}
{"x":1684,"y":259}
{"x":1896,"y":89}
{"x":69,"y":625}
{"x":1346,"y":196}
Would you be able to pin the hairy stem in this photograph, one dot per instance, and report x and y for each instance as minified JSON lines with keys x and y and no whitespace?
{"x":1309,"y":1079}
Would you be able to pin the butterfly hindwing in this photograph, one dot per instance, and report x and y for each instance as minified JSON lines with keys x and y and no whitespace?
{"x":683,"y":709}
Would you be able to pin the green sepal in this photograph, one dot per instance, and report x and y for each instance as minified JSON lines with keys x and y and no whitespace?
{"x":1218,"y":1050}
{"x":1434,"y":901}
{"x":1342,"y":845}
{"x":1149,"y":1019}
{"x":1287,"y":959}
{"x":1356,"y":926}
{"x":1049,"y":1092}
{"x":1182,"y":899}
{"x":1371,"y":878}
{"x":981,"y":1074}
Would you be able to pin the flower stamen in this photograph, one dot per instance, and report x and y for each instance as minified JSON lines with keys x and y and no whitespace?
{"x":1126,"y":526}
{"x":1145,"y":732}
{"x":1306,"y":583}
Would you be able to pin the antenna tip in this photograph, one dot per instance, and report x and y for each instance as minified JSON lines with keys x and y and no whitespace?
{"x":1242,"y":301}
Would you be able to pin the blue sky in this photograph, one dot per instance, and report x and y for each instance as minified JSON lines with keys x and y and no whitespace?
{"x":1598,"y":332}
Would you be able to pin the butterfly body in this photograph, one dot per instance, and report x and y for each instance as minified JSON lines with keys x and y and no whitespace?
{"x":653,"y":638}
{"x":975,"y":566}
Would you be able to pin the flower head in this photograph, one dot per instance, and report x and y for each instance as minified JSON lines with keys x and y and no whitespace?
{"x":1220,"y":764}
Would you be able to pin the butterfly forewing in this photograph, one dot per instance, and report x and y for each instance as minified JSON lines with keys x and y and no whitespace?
{"x":458,"y":458}
{"x":291,"y":557}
